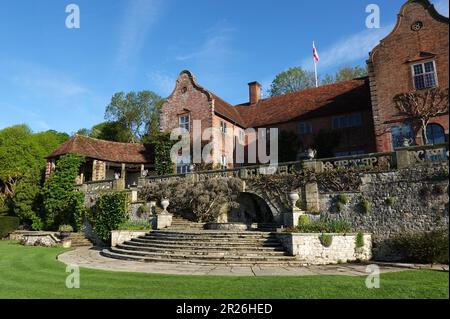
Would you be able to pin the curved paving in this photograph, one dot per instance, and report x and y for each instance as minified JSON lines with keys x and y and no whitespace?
{"x":86,"y":257}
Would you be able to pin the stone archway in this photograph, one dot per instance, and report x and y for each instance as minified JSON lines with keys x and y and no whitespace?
{"x":253,"y":209}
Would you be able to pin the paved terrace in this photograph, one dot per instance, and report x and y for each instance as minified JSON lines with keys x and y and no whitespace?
{"x":86,"y":257}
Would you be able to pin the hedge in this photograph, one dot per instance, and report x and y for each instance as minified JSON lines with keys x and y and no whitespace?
{"x":8,"y":224}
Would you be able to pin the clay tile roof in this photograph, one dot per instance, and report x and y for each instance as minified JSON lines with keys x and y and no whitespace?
{"x":334,"y":99}
{"x":106,"y":150}
{"x":227,"y":110}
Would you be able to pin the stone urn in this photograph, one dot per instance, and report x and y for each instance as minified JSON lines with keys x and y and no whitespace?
{"x":293,"y":197}
{"x":165,"y":203}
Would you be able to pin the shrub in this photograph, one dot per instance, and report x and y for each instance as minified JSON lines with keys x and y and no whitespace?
{"x":366,"y":206}
{"x":359,"y":240}
{"x":427,"y":247}
{"x":326,"y":240}
{"x":65,"y":229}
{"x":8,"y":224}
{"x":135,"y":225}
{"x":333,"y":226}
{"x":390,"y":201}
{"x":338,"y":226}
{"x":303,"y":221}
{"x":343,"y":199}
{"x":110,"y":213}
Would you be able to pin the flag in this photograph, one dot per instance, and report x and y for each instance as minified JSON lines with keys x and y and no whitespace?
{"x":315,"y":54}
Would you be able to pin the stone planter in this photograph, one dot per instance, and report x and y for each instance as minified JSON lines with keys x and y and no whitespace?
{"x":293,"y":197}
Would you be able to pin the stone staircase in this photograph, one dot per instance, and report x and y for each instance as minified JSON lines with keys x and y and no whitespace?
{"x":78,"y":240}
{"x":205,"y":248}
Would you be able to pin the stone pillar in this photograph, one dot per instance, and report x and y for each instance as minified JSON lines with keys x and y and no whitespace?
{"x":123,"y":174}
{"x":49,"y":168}
{"x":291,"y":218}
{"x":98,"y":170}
{"x":312,"y":197}
{"x":402,"y":159}
{"x":142,"y":170}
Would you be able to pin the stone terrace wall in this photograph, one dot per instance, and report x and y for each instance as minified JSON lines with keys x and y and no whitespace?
{"x":421,"y":204}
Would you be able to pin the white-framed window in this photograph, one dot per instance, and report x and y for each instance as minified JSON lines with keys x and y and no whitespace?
{"x":346,"y":121}
{"x":424,"y":75}
{"x":223,"y":127}
{"x":183,"y":165}
{"x":305,"y":128}
{"x":184,"y":122}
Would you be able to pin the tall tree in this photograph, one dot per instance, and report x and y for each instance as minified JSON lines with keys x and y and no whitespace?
{"x":344,"y":74}
{"x":421,"y":106}
{"x":135,"y":111}
{"x":293,"y":80}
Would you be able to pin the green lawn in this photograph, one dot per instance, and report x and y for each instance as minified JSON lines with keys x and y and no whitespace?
{"x":34,"y":272}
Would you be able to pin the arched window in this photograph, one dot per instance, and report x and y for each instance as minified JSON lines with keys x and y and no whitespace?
{"x":435,"y":134}
{"x":402,"y":135}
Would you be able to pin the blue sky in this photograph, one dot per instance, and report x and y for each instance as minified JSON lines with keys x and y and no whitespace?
{"x":55,"y":78}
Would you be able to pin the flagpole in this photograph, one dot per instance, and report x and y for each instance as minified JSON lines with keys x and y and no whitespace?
{"x":315,"y":71}
{"x":315,"y":65}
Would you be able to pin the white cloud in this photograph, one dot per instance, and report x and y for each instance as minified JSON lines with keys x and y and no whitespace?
{"x":216,"y":46}
{"x":140,"y":17}
{"x":353,"y":48}
{"x":162,"y":82}
{"x":42,"y":81}
{"x":441,"y":6}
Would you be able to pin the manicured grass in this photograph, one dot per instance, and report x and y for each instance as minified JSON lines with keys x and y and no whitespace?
{"x":34,"y":272}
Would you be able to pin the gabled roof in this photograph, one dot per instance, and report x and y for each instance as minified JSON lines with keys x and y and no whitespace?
{"x":333,"y":99}
{"x":106,"y":150}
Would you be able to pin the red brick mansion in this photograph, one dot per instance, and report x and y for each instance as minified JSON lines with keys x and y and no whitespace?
{"x":413,"y":57}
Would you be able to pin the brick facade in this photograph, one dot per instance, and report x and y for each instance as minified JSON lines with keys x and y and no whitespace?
{"x":390,"y":65}
{"x":390,"y":73}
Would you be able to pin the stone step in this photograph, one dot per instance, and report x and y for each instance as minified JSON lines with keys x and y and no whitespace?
{"x":212,"y":251}
{"x":206,"y":246}
{"x":205,"y":234}
{"x":211,"y":257}
{"x":290,"y":261}
{"x":211,"y":241}
{"x":200,"y":243}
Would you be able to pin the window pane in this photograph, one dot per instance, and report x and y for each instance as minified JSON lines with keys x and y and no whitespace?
{"x":435,"y":134}
{"x":430,"y":80}
{"x":429,"y":67}
{"x":419,"y":82}
{"x":418,"y":69}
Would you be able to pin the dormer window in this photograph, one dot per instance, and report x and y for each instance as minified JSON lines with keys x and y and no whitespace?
{"x":424,"y":75}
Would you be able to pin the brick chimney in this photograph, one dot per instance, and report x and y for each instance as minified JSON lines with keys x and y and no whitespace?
{"x":254,"y":92}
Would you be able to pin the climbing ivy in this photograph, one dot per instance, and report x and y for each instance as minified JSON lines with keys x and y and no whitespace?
{"x":163,"y":145}
{"x":110,"y":212}
{"x":61,"y":204}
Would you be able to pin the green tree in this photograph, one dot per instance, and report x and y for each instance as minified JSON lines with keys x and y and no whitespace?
{"x":62,"y":205}
{"x":111,"y":131}
{"x":293,"y":80}
{"x":344,"y":74}
{"x":137,"y":112}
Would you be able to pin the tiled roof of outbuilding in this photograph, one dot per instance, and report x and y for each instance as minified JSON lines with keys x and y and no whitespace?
{"x":106,"y":150}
